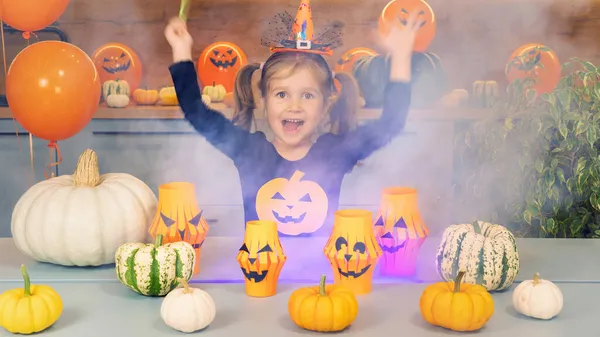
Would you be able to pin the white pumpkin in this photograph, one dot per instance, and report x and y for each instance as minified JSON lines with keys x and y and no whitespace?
{"x":81,"y":219}
{"x":538,"y":298}
{"x":187,"y":309}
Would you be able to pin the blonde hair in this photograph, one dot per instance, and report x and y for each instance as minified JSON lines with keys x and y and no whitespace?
{"x":342,"y":114}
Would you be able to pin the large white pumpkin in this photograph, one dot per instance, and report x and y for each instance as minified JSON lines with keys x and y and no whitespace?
{"x":81,"y":219}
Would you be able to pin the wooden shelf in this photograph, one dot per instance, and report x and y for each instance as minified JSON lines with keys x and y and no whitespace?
{"x":173,"y":112}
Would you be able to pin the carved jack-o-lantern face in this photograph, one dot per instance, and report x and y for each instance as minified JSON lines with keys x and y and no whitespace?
{"x":261,"y":258}
{"x":178,"y":217}
{"x":400,"y":231}
{"x":219,"y":64}
{"x":117,"y":61}
{"x":352,"y":250}
{"x":297,"y":206}
{"x":396,"y":12}
{"x":346,"y":62}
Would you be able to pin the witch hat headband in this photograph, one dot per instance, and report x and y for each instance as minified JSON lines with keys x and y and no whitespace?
{"x":284,"y":33}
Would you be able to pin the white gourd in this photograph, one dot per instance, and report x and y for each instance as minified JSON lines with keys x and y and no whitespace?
{"x":81,"y":219}
{"x":538,"y":298}
{"x":187,"y":309}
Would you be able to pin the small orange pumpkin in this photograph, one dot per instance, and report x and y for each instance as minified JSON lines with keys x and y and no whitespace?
{"x":145,"y":96}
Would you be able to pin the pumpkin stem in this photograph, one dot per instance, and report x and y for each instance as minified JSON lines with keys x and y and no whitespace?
{"x":87,"y":172}
{"x":322,"y":286}
{"x":536,"y":278}
{"x":27,"y":286}
{"x":186,"y":286}
{"x":214,"y":84}
{"x":458,"y":280}
{"x":158,"y":241}
{"x":477,"y":227}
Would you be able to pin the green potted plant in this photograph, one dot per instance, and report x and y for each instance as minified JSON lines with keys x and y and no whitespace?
{"x":534,"y":163}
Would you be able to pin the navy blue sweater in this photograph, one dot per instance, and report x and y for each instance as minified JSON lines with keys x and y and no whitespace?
{"x":302,"y":195}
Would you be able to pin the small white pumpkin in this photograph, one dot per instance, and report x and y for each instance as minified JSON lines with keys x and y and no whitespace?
{"x":187,"y":309}
{"x":538,"y":298}
{"x":81,"y":219}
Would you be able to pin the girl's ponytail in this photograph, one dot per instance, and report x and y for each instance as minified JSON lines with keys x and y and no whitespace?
{"x":243,"y":97}
{"x":343,"y":113}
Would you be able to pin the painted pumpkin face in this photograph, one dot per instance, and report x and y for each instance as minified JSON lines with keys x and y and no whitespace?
{"x":297,"y":206}
{"x":400,"y":231}
{"x":117,"y":61}
{"x":178,"y":217}
{"x":219,"y":64}
{"x":352,"y":250}
{"x":396,"y":12}
{"x":261,"y":258}
{"x":538,"y":62}
{"x":346,"y":62}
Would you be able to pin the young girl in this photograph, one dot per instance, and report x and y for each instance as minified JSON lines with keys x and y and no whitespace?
{"x":294,"y":179}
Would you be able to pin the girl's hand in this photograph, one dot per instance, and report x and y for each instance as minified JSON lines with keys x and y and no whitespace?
{"x":400,"y":40}
{"x":180,"y":39}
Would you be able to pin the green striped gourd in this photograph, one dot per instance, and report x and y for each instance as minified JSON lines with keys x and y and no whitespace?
{"x":110,"y":87}
{"x":487,"y":252}
{"x":153,"y":269}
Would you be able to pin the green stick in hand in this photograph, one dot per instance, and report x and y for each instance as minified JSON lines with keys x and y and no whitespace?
{"x":184,"y":9}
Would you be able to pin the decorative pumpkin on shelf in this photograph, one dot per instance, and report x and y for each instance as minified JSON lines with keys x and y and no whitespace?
{"x":297,"y":206}
{"x":347,"y":60}
{"x":145,"y":96}
{"x":538,"y":298}
{"x":484,"y":93}
{"x":323,"y":308}
{"x":220,"y":63}
{"x":456,"y":306}
{"x":153,"y":269}
{"x":46,"y":221}
{"x":229,"y":100}
{"x":487,"y":251}
{"x":118,"y":61}
{"x":30,"y":309}
{"x":216,"y":92}
{"x":111,"y":86}
{"x":117,"y":99}
{"x":168,"y":96}
{"x":396,"y":12}
{"x":456,"y":98}
{"x":187,"y":309}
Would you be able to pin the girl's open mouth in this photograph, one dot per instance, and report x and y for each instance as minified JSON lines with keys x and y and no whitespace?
{"x":292,"y":125}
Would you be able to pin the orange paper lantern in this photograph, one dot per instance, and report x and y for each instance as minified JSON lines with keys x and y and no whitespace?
{"x":536,"y":61}
{"x":53,"y":89}
{"x":396,"y":12}
{"x":117,"y":61}
{"x":219,"y":64}
{"x":31,"y":15}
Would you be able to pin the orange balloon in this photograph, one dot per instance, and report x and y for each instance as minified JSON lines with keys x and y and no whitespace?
{"x":219,"y":63}
{"x":31,"y":15}
{"x":117,"y":61}
{"x":396,"y":12}
{"x":537,"y":61}
{"x":53,"y":89}
{"x":346,"y":62}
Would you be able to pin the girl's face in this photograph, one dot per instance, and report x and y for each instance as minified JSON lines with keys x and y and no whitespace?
{"x":295,"y":106}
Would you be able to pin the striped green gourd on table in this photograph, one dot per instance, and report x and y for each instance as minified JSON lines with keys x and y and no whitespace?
{"x":110,"y":87}
{"x":488,"y":252}
{"x":153,"y":269}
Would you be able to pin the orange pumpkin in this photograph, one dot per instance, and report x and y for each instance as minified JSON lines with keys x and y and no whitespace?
{"x":219,"y":63}
{"x":297,"y":206}
{"x":346,"y":62}
{"x":537,"y":62}
{"x":396,"y":12}
{"x":117,"y":61}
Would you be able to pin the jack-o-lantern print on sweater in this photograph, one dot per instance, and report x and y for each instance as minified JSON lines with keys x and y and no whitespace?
{"x":303,"y":195}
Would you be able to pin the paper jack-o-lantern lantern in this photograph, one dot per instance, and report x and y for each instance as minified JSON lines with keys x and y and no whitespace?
{"x":219,"y":64}
{"x":116,"y":61}
{"x":536,"y":63}
{"x":352,"y":250}
{"x":396,"y":12}
{"x":346,"y":61}
{"x":297,"y":206}
{"x":261,"y":258}
{"x":178,"y":217}
{"x":400,"y":231}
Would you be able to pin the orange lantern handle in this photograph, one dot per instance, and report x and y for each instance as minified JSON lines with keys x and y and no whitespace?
{"x":52,"y":145}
